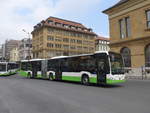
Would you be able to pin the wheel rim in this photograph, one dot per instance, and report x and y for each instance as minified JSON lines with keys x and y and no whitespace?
{"x":85,"y":80}
{"x":51,"y":77}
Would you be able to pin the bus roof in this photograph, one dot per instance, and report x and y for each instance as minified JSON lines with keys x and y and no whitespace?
{"x":102,"y":52}
{"x":37,"y":59}
{"x":59,"y":57}
{"x":12,"y":62}
{"x":32,"y":60}
{"x":3,"y":62}
{"x":24,"y":60}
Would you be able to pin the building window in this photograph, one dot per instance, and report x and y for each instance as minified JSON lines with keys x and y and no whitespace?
{"x":147,"y":56}
{"x":50,"y":38}
{"x":79,"y":41}
{"x":128,"y":26}
{"x":58,"y":24}
{"x":50,"y":22}
{"x":148,"y":18}
{"x":65,"y":40}
{"x":125,"y":52}
{"x":58,"y":45}
{"x":79,"y":48}
{"x":73,"y":41}
{"x":50,"y":30}
{"x":58,"y":39}
{"x":122,"y":28}
{"x":91,"y":49}
{"x":50,"y":45}
{"x":72,"y":47}
{"x":66,"y":46}
{"x":125,"y":27}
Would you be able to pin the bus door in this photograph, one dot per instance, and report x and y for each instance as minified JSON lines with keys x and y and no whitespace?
{"x":44,"y":68}
{"x":101,"y":68}
{"x":58,"y":73}
{"x":34,"y":69}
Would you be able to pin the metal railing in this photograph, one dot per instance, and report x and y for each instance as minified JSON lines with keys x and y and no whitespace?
{"x":142,"y":73}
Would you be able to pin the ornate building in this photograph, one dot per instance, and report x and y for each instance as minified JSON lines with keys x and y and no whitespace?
{"x":130,"y":31}
{"x":56,"y":37}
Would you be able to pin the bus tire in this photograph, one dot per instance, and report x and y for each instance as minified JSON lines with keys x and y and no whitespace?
{"x":85,"y":80}
{"x":51,"y":77}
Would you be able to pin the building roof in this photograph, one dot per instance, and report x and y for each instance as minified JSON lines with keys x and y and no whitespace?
{"x":117,"y":4}
{"x":102,"y":38}
{"x":64,"y":24}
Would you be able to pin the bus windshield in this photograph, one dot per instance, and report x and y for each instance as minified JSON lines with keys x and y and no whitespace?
{"x":117,"y":66}
{"x":2,"y":67}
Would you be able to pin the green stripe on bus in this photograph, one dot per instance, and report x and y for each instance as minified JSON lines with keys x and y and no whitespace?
{"x":114,"y":81}
{"x":6,"y":74}
{"x":39,"y":76}
{"x":93,"y":79}
{"x":71,"y":78}
{"x":78,"y":79}
{"x":23,"y":73}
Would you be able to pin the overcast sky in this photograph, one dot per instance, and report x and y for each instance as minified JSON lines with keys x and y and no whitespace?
{"x":24,"y":14}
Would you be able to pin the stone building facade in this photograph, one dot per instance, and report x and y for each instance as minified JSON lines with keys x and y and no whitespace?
{"x":14,"y":55}
{"x":130,"y":31}
{"x":56,"y":37}
{"x":102,"y":44}
{"x":25,"y":49}
{"x":9,"y":45}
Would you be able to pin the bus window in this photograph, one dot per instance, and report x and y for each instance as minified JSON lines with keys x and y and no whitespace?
{"x":73,"y":64}
{"x":64,"y":65}
{"x":101,"y":65}
{"x":53,"y":65}
{"x":2,"y":67}
{"x":87,"y":63}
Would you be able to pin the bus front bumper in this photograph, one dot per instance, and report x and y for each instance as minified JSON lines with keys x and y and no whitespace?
{"x":114,"y":79}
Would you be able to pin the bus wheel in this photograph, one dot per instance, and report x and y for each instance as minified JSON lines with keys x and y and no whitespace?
{"x":85,"y":80}
{"x":51,"y":77}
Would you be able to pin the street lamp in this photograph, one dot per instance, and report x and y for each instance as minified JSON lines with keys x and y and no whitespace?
{"x":29,"y":43}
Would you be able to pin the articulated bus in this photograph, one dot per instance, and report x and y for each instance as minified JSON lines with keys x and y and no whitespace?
{"x":99,"y":68}
{"x":8,"y":68}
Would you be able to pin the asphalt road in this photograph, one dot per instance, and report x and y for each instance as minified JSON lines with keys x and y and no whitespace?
{"x":21,"y":95}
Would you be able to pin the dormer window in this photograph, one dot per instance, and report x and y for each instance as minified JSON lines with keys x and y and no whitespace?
{"x":66,"y":26}
{"x":50,"y":22}
{"x":85,"y":30}
{"x":38,"y":25}
{"x":35,"y":27}
{"x":58,"y":24}
{"x":90,"y":30}
{"x":73,"y":27}
{"x":79,"y":28}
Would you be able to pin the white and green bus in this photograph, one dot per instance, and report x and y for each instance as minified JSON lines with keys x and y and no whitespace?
{"x":99,"y":68}
{"x":8,"y":68}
